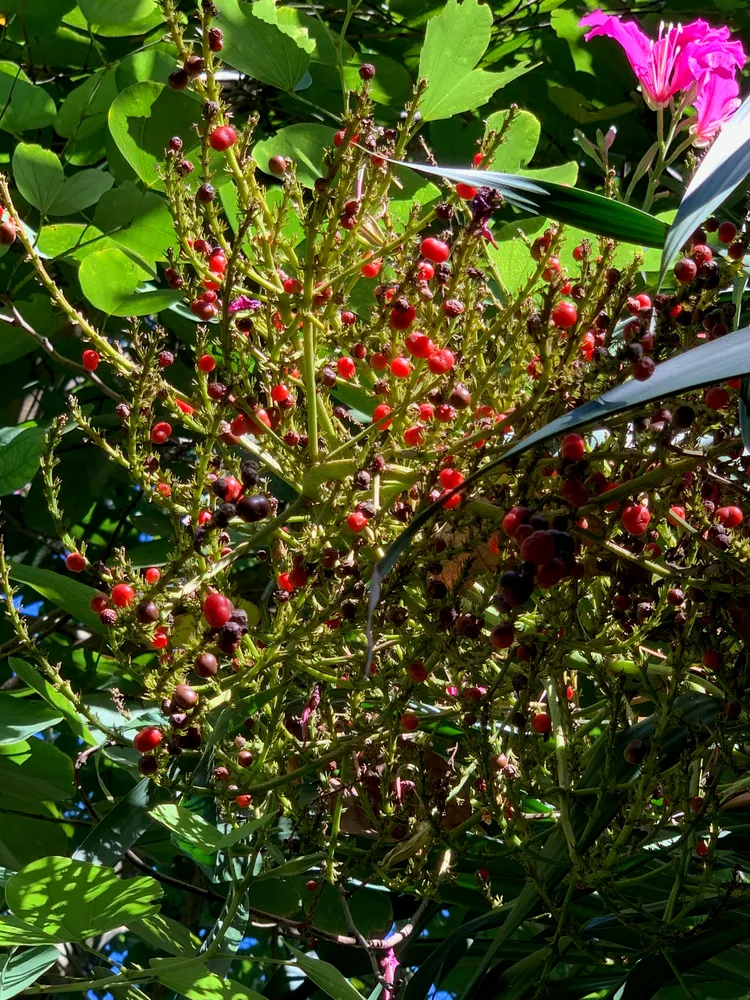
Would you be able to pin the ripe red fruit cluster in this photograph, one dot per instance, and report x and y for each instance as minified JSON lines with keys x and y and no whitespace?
{"x":217,"y":610}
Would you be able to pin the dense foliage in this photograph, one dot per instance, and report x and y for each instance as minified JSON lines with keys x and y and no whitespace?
{"x":374,"y":544}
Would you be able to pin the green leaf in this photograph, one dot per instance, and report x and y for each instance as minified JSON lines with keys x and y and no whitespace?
{"x":38,"y":175}
{"x":80,"y":191}
{"x":166,"y":934}
{"x":138,"y":220}
{"x":725,"y":165}
{"x":82,"y":118}
{"x":17,"y":932}
{"x":297,"y":866}
{"x":24,"y":838}
{"x":36,"y":771}
{"x":455,"y":41}
{"x":24,"y":968}
{"x":591,"y":212}
{"x":52,"y":696}
{"x":78,"y":899}
{"x":61,"y":590}
{"x":24,"y":105}
{"x":109,"y":280}
{"x":370,"y":909}
{"x":121,"y":827}
{"x":196,"y":982}
{"x":258,"y":46}
{"x":116,"y":11}
{"x":144,"y":117}
{"x":20,"y":453}
{"x":303,"y":144}
{"x":193,"y":828}
{"x":22,"y":717}
{"x":326,"y":976}
{"x":521,"y":140}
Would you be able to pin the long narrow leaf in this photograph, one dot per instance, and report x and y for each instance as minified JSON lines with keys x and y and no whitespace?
{"x":591,"y":212}
{"x":724,"y":166}
{"x":726,"y":358}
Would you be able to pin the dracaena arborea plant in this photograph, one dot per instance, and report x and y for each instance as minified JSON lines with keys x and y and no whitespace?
{"x":695,"y":60}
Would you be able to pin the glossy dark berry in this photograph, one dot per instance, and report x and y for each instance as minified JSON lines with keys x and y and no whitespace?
{"x":254,"y":508}
{"x":147,"y":612}
{"x":178,"y":80}
{"x":206,"y":193}
{"x":366,"y":71}
{"x":206,"y":665}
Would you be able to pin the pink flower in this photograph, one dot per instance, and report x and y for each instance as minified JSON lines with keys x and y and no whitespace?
{"x":715,"y":104}
{"x":684,"y":58}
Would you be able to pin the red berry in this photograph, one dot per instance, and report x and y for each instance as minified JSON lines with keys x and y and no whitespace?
{"x":356,"y":521}
{"x":635,"y":518}
{"x":206,"y":363}
{"x":434,"y":250}
{"x":701,"y":253}
{"x":122,"y":595}
{"x":717,"y":398}
{"x":701,"y":848}
{"x":75,"y":562}
{"x":409,"y":722}
{"x":160,"y":432}
{"x":371,"y":269}
{"x":279,"y":393}
{"x":160,"y":640}
{"x":445,"y":413}
{"x":441,"y":361}
{"x":465,"y":191}
{"x":222,"y":138}
{"x":685,"y":270}
{"x":99,"y":602}
{"x":574,"y":493}
{"x":216,"y":39}
{"x":380,"y":411}
{"x":402,"y":319}
{"x":346,"y":367}
{"x":217,"y":610}
{"x":425,"y":270}
{"x":348,"y":318}
{"x":311,"y":885}
{"x":153,"y":575}
{"x":90,"y":360}
{"x":730,"y":517}
{"x":450,"y":478}
{"x":564,"y":315}
{"x":417,"y":671}
{"x":711,"y":660}
{"x":414,"y":436}
{"x":515,"y":517}
{"x":148,"y":739}
{"x":401,"y":367}
{"x":502,"y":636}
{"x":538,"y":548}
{"x":419,"y":345}
{"x":379,"y":362}
{"x":285,"y":582}
{"x":244,"y":801}
{"x":426,"y":411}
{"x":541,"y":723}
{"x":726,"y":232}
{"x":573,"y":447}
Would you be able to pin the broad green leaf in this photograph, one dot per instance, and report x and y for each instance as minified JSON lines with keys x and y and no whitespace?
{"x":519,"y":145}
{"x":137,"y":220}
{"x":121,"y":827}
{"x":23,"y":105}
{"x":297,"y":866}
{"x":109,"y":279}
{"x":80,"y":191}
{"x":24,"y":838}
{"x":24,"y":968}
{"x":20,"y":453}
{"x":82,"y":118}
{"x":455,"y":41}
{"x":725,"y":165}
{"x":196,"y":982}
{"x":116,"y":11}
{"x":144,"y":117}
{"x":62,"y":895}
{"x":116,"y":29}
{"x":17,"y":932}
{"x":166,"y":934}
{"x":64,"y":592}
{"x":22,"y":717}
{"x":326,"y":976}
{"x":36,"y":771}
{"x":38,"y":175}
{"x":371,"y":911}
{"x":565,"y":25}
{"x":259,"y":47}
{"x":197,"y":831}
{"x":591,"y":212}
{"x":28,"y":673}
{"x":303,"y":144}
